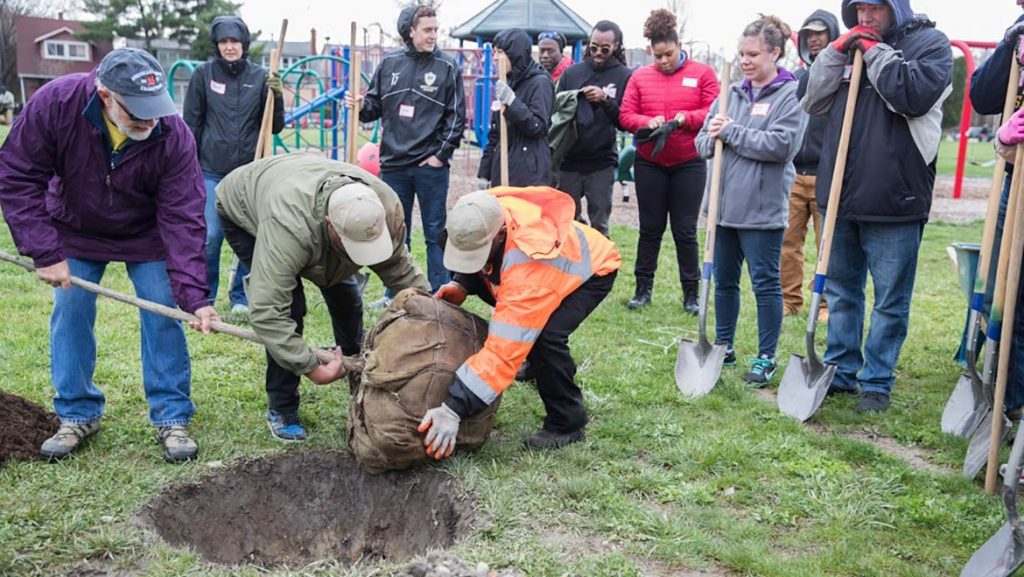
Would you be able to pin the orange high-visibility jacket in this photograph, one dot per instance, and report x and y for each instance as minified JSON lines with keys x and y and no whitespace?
{"x":548,"y":255}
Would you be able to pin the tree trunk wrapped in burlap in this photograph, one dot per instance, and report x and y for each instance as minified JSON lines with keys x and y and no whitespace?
{"x":411,"y":355}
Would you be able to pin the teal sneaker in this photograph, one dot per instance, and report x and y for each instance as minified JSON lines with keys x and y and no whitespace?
{"x":762,"y":369}
{"x":285,"y":429}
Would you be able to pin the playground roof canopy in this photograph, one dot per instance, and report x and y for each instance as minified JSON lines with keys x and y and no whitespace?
{"x":533,"y":16}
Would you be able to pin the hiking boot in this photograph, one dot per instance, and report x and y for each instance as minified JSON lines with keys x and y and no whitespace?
{"x":691,"y":304}
{"x":288,"y":429}
{"x":67,"y":440}
{"x":762,"y":369}
{"x":178,"y":444}
{"x":239,"y":310}
{"x":833,"y":390}
{"x":642,"y":297}
{"x":823,"y":315}
{"x":379,"y":304}
{"x":873,"y":403}
{"x":730,"y":357}
{"x":544,"y":440}
{"x":1014,"y":415}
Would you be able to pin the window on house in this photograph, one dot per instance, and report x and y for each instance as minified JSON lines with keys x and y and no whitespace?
{"x":66,"y":50}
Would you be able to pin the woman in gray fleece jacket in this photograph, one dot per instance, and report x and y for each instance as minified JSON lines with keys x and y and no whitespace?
{"x":762,"y":132}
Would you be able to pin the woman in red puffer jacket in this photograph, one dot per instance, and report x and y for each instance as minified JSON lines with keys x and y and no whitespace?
{"x":669,"y":98}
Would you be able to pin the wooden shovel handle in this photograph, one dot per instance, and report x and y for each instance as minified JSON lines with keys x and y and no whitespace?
{"x":1007,"y":284}
{"x":354,"y":88}
{"x":351,"y":363}
{"x":716,"y":167}
{"x":265,"y":141}
{"x":502,"y":125}
{"x":836,"y":189}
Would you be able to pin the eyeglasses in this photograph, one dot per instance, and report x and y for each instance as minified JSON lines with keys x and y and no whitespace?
{"x":549,"y":36}
{"x":602,"y":48}
{"x":126,"y":111}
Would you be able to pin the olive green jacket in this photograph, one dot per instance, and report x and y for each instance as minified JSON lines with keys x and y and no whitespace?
{"x":282,"y":202}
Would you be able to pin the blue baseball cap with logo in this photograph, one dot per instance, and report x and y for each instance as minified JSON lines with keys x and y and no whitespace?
{"x":139,"y":79}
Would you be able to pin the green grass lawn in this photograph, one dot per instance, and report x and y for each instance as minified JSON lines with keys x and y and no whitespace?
{"x":979,"y":158}
{"x":723,"y":484}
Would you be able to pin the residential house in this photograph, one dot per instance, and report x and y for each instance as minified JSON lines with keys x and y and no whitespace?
{"x":47,"y":48}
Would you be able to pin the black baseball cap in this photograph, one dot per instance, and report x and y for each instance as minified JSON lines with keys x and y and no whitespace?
{"x":139,"y":79}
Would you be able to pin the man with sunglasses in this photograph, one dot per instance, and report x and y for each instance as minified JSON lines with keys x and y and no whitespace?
{"x":551,"y":46}
{"x":588,"y":168}
{"x":99,"y":168}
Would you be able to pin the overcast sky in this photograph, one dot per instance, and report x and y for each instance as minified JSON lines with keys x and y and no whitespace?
{"x":718,"y":22}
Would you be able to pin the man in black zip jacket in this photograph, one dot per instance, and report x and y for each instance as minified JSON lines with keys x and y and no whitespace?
{"x":224,"y":109}
{"x":588,"y":169}
{"x":418,"y":96}
{"x":818,"y":30}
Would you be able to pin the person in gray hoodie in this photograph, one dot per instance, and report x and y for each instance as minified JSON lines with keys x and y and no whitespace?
{"x":818,"y":30}
{"x":762,"y":131}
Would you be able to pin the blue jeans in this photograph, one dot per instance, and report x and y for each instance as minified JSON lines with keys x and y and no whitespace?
{"x":889,"y":252}
{"x":214,"y":240}
{"x":1015,"y":374}
{"x":166,"y":372}
{"x":430,"y":186}
{"x":762,"y":249}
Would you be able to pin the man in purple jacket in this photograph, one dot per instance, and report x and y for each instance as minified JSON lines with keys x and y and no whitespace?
{"x":99,"y":168}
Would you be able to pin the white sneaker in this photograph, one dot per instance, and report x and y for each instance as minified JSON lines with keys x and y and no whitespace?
{"x":379,"y":304}
{"x":239,"y":309}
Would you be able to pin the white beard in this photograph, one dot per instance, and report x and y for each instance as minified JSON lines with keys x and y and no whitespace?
{"x":137,"y":134}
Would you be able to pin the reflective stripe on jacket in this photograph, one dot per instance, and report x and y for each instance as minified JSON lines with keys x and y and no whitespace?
{"x":547,"y":256}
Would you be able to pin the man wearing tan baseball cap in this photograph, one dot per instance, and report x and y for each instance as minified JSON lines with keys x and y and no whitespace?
{"x":302,"y":216}
{"x":521,"y":251}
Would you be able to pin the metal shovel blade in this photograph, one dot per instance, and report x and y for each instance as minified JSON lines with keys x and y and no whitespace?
{"x":957,"y":417}
{"x":804,"y":386}
{"x":698,"y":366}
{"x":1000,"y":556}
{"x":977,"y":447}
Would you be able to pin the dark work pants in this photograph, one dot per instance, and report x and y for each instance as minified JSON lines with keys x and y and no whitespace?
{"x":344,"y":303}
{"x":669,"y":193}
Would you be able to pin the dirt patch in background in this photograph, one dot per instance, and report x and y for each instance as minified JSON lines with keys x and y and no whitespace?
{"x":24,"y":428}
{"x":296,"y":508}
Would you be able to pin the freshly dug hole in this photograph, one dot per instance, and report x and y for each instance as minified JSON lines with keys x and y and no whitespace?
{"x":296,"y":508}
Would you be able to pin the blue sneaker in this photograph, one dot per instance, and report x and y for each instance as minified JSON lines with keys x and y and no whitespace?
{"x":762,"y":369}
{"x":281,"y":429}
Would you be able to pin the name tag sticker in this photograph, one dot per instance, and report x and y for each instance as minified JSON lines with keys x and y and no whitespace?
{"x":610,"y":91}
{"x":406,"y":110}
{"x":760,"y":109}
{"x":218,"y":87}
{"x":689,"y":82}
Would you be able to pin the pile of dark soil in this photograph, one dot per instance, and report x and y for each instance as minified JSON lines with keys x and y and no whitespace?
{"x":23,"y":428}
{"x":295,"y":508}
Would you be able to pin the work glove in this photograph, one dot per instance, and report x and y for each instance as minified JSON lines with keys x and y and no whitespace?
{"x":658,"y":135}
{"x":482,"y":184}
{"x":452,"y":292}
{"x":504,"y":93}
{"x":861,"y":36}
{"x":274,"y":83}
{"x":1012,"y":131}
{"x":441,"y":425}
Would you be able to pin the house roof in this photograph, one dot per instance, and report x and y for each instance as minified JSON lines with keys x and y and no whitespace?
{"x":51,"y":34}
{"x":29,"y":32}
{"x":533,"y":16}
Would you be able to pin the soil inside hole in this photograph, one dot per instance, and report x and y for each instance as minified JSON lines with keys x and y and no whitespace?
{"x":299,"y":507}
{"x":24,"y":428}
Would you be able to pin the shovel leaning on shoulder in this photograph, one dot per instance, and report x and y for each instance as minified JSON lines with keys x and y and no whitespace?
{"x":807,"y":379}
{"x":699,"y":364}
{"x":350,"y":363}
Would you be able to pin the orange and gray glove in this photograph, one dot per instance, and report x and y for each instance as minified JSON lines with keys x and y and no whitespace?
{"x":452,"y":292}
{"x":863,"y":37}
{"x":442,"y":426}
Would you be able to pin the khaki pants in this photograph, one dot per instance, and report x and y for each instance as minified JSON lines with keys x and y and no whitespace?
{"x":802,"y":208}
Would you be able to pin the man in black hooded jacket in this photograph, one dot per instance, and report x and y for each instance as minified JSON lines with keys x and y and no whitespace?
{"x":820,"y":28}
{"x":224,"y":109}
{"x":417,"y":94}
{"x":528,"y":97}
